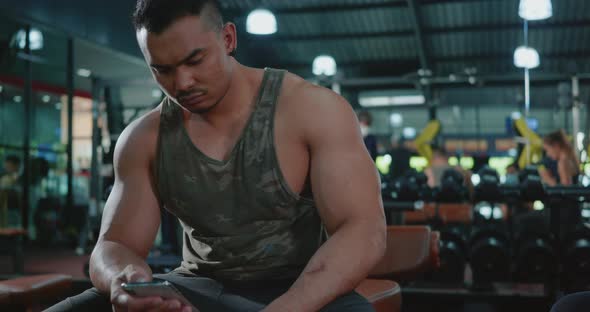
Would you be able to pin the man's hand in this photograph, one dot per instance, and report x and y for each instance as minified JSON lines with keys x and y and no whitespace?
{"x":122,"y":301}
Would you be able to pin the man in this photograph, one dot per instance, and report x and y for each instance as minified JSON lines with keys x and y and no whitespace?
{"x":438,"y":165}
{"x":236,"y":153}
{"x":10,"y":192}
{"x":400,"y":155}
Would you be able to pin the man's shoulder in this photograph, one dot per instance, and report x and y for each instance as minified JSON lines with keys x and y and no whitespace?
{"x":145,"y":126}
{"x":315,"y":111}
{"x":142,"y":133}
{"x":310,"y":99}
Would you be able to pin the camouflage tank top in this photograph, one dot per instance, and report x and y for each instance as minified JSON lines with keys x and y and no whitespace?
{"x":240,"y":219}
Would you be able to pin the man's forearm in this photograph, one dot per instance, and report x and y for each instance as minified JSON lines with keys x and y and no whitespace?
{"x":336,"y":268}
{"x":109,"y":259}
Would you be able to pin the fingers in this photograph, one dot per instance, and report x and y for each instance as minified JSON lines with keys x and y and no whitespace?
{"x":141,"y":303}
{"x":129,"y":303}
{"x":122,"y":301}
{"x":170,"y":305}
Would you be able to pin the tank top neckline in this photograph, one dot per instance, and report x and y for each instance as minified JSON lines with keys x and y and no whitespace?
{"x":230,"y":156}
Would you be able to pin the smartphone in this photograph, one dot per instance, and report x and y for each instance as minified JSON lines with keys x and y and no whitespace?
{"x":162,"y":289}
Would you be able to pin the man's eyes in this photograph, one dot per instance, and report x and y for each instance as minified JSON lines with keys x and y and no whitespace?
{"x":194,"y":62}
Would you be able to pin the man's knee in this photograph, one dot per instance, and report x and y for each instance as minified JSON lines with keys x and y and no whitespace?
{"x":350,"y":302}
{"x":573,"y":303}
{"x":90,"y":300}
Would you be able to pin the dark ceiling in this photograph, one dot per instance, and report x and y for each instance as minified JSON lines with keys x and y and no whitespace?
{"x":368,"y":38}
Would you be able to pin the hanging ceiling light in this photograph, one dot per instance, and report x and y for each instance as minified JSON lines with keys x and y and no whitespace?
{"x":526,"y":57}
{"x":534,"y":10}
{"x":396,"y":120}
{"x":83,"y":72}
{"x":324,"y":65}
{"x":409,"y":133}
{"x":35,"y":39}
{"x":261,"y":22}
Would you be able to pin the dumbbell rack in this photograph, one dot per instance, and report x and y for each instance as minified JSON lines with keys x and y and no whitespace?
{"x":419,"y":290}
{"x":526,"y":192}
{"x":411,"y":196}
{"x":532,"y":190}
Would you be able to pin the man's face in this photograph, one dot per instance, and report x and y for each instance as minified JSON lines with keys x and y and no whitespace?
{"x":190,"y":61}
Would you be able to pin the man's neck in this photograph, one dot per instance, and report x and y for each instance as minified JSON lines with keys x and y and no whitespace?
{"x":234,"y":104}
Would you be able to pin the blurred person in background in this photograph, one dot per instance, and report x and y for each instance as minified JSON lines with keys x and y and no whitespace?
{"x":560,"y":150}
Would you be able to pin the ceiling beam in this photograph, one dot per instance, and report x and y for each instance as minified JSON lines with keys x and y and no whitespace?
{"x":380,"y":63}
{"x":431,"y":2}
{"x":510,"y":26}
{"x":237,"y":12}
{"x":243,"y":12}
{"x":425,"y":31}
{"x":388,"y":82}
{"x":397,"y":62}
{"x":355,"y":69}
{"x":417,"y":21}
{"x":508,"y":56}
{"x":334,"y":36}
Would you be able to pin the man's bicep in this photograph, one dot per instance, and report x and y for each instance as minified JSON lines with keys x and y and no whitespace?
{"x":131,"y":216}
{"x":343,"y":176}
{"x":132,"y":213}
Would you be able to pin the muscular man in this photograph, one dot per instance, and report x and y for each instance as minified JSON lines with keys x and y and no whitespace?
{"x":255,"y":163}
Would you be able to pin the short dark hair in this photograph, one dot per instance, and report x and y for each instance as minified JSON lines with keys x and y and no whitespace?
{"x":13,"y":159}
{"x":156,"y":15}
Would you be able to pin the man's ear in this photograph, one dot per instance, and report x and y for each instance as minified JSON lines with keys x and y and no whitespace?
{"x":230,"y":38}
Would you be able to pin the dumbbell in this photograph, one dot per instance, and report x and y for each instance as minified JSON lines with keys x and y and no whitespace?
{"x":489,"y":256}
{"x":531,"y":185}
{"x":452,"y":187}
{"x":484,"y":213}
{"x":488,"y":188}
{"x":535,"y":259}
{"x":412,"y":187}
{"x":453,"y":256}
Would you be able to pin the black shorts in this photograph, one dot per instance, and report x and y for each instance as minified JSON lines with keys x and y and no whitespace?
{"x":209,"y":295}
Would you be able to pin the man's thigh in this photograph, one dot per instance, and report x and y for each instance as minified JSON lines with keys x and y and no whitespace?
{"x":90,"y":300}
{"x":209,"y":295}
{"x":202,"y":292}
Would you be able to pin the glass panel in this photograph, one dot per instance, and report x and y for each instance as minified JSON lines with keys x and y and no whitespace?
{"x":11,"y":126}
